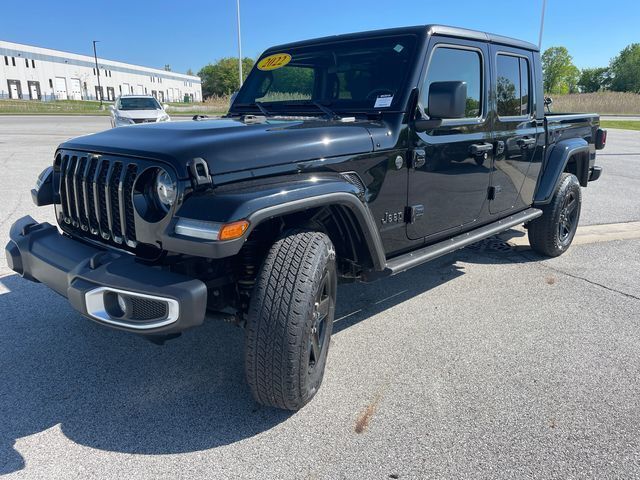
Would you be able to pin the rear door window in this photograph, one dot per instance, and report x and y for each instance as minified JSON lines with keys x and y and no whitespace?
{"x":512,"y":86}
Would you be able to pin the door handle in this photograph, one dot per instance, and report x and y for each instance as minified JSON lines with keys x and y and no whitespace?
{"x":419,"y":158}
{"x":480,"y":148}
{"x":526,"y":142}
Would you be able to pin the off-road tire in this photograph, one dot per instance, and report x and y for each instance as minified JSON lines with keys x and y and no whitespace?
{"x":280,"y":364}
{"x":551,"y":234}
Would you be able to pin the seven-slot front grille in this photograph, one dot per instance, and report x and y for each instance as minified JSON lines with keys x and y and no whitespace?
{"x":96,"y":196}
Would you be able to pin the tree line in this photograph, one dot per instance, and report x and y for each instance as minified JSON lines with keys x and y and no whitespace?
{"x":562,"y":76}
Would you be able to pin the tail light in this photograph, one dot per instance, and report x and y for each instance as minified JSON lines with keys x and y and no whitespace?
{"x":601,"y":139}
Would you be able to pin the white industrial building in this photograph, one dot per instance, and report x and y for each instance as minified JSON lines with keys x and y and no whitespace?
{"x":35,"y":73}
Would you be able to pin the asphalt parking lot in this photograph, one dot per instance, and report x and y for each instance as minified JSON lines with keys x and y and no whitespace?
{"x":490,"y":362}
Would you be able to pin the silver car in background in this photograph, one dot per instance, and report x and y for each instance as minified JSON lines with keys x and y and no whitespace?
{"x":132,"y":109}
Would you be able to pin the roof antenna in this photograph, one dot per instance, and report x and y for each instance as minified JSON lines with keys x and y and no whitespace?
{"x":544,"y":7}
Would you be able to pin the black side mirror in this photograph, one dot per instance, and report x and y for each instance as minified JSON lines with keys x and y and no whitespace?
{"x":447,"y":100}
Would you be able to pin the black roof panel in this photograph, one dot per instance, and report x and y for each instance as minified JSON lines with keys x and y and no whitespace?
{"x":417,"y":30}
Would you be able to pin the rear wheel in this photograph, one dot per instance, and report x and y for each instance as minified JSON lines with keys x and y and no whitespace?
{"x":552,"y":233}
{"x":290,"y":320}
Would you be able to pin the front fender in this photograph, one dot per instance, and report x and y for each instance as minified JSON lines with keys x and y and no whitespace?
{"x":556,"y":163}
{"x":262,"y":199}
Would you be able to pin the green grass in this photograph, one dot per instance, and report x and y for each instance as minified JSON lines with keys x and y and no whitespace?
{"x":191,"y":113}
{"x":61,"y":107}
{"x":624,"y":124}
{"x":88,"y":107}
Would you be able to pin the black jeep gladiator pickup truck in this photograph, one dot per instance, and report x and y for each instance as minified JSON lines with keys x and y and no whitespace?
{"x":350,"y":157}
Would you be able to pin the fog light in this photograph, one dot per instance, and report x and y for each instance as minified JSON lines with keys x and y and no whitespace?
{"x":122,"y":303}
{"x":117,"y":305}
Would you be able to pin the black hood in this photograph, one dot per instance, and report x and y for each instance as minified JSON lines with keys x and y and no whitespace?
{"x":230,"y":145}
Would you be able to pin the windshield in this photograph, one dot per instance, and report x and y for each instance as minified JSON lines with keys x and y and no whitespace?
{"x":139,"y":104}
{"x":357,"y":75}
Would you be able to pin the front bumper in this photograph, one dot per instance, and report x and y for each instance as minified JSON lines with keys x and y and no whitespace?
{"x":154,"y":301}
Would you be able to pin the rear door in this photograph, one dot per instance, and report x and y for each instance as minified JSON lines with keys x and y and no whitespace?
{"x":516,"y":133}
{"x":76,"y":91}
{"x":450,"y":183}
{"x":61,"y":88}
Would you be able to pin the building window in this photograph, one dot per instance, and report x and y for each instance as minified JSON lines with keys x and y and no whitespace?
{"x":6,"y":60}
{"x":50,"y":83}
{"x":94,"y":71}
{"x":26,"y":61}
{"x":33,"y":63}
{"x":13,"y":61}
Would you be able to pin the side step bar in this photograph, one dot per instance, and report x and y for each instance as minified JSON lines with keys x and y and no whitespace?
{"x":418,"y":257}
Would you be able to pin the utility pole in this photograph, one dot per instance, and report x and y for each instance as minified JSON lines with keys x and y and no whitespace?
{"x":544,"y":7}
{"x":95,"y":56}
{"x":239,"y":42}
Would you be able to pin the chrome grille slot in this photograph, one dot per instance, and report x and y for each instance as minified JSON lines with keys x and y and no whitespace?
{"x":102,"y":200}
{"x":69,"y":190}
{"x":78,"y":193}
{"x":64,"y":201}
{"x":114,"y":201}
{"x":132,"y":173}
{"x":96,"y":197}
{"x":88,"y":182}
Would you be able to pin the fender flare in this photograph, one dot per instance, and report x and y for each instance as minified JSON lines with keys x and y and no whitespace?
{"x":268,"y":199}
{"x":359,"y":209}
{"x":556,"y":163}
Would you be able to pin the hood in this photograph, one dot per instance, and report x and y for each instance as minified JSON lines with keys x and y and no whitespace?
{"x":230,"y":145}
{"x":140,"y":113}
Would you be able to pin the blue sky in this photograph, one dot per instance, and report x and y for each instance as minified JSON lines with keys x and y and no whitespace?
{"x":190,"y":34}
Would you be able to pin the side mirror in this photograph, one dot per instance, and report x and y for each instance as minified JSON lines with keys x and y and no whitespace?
{"x":112,"y":108}
{"x":447,"y":100}
{"x":165,"y":106}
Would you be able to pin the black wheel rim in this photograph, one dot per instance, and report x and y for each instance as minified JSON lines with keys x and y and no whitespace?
{"x":323,"y":308}
{"x":568,"y":218}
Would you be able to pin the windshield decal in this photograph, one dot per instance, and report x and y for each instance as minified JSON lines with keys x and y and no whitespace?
{"x":273,"y":62}
{"x":383,"y":101}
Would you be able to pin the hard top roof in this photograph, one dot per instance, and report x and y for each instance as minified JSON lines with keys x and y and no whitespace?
{"x":417,"y":30}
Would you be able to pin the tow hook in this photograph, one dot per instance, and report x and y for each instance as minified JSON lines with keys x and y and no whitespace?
{"x":199,"y":174}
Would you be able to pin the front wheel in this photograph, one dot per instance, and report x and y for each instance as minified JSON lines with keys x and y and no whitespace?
{"x":290,"y":320}
{"x":552,"y":233}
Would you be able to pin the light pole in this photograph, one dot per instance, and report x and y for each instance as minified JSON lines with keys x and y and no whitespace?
{"x":95,"y":56}
{"x":239,"y":42}
{"x":544,"y":7}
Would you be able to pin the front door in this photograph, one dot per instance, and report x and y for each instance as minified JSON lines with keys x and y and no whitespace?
{"x":34,"y":90}
{"x":517,"y":138}
{"x":76,"y":91}
{"x":450,"y":184}
{"x":61,"y":88}
{"x":15,"y":90}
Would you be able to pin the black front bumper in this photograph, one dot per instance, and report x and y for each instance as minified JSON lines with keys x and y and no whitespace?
{"x":82,"y":273}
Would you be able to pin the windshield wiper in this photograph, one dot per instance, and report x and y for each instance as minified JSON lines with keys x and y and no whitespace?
{"x":327,"y":111}
{"x":261,"y":107}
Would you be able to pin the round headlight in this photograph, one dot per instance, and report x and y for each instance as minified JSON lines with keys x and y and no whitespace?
{"x":165,"y":189}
